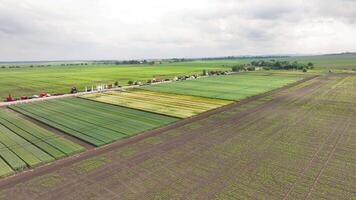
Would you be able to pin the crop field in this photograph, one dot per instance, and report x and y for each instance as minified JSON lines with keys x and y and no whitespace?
{"x":24,"y":144}
{"x":181,"y":106}
{"x":232,"y":87}
{"x":295,"y":144}
{"x":329,"y":61}
{"x":93,"y":122}
{"x":60,"y":79}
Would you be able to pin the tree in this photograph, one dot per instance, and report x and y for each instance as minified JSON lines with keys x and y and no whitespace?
{"x":310,"y":65}
{"x":205,"y":72}
{"x":238,"y":68}
{"x":251,"y":69}
{"x":116,"y":83}
{"x":130,"y":82}
{"x":305,"y":70}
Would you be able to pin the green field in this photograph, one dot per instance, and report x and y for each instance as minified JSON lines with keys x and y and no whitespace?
{"x":60,"y":79}
{"x":343,"y":61}
{"x":24,"y":144}
{"x":181,"y":106}
{"x":232,"y":87}
{"x":94,"y":122}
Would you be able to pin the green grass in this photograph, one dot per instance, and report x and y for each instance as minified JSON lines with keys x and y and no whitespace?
{"x":233,"y":87}
{"x":24,"y":144}
{"x":94,"y":122}
{"x":163,"y":103}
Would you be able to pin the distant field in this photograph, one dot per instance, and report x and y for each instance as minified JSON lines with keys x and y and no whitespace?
{"x":232,"y":87}
{"x":60,"y":79}
{"x":181,"y":106}
{"x":24,"y":144}
{"x":347,"y":61}
{"x":93,"y":122}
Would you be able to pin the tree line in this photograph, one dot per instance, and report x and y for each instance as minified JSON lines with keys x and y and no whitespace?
{"x":273,"y":65}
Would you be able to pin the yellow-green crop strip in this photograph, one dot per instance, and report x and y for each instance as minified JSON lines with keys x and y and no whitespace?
{"x":181,"y":106}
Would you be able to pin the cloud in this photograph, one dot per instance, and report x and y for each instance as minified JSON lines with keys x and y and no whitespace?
{"x":118,"y":29}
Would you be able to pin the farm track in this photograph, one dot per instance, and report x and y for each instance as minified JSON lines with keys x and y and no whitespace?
{"x":27,"y":175}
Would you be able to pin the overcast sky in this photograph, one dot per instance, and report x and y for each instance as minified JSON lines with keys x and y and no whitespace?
{"x":130,"y":29}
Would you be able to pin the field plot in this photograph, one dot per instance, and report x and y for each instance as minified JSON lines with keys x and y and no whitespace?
{"x":94,"y":122}
{"x":59,"y":79}
{"x":181,"y":106}
{"x":23,"y":144}
{"x":297,"y":144}
{"x":233,"y":87}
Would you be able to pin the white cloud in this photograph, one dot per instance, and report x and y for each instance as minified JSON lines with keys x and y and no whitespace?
{"x":117,"y":29}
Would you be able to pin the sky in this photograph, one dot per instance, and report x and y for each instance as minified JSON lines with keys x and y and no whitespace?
{"x":141,"y":29}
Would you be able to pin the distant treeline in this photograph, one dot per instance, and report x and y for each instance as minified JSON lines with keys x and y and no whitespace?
{"x":123,"y":62}
{"x":274,"y":65}
{"x":74,"y":64}
{"x":20,"y":66}
{"x":243,"y":57}
{"x":42,"y":65}
{"x":137,"y":62}
{"x":105,"y":62}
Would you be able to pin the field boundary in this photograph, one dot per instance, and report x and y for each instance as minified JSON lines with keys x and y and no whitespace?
{"x":27,"y":175}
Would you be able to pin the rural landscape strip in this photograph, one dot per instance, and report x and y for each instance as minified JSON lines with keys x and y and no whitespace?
{"x":17,"y":81}
{"x":23,"y":176}
{"x":4,"y":104}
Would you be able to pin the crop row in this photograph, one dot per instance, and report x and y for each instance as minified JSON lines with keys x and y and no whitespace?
{"x":233,"y":87}
{"x":181,"y":106}
{"x":94,"y":122}
{"x":23,"y":144}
